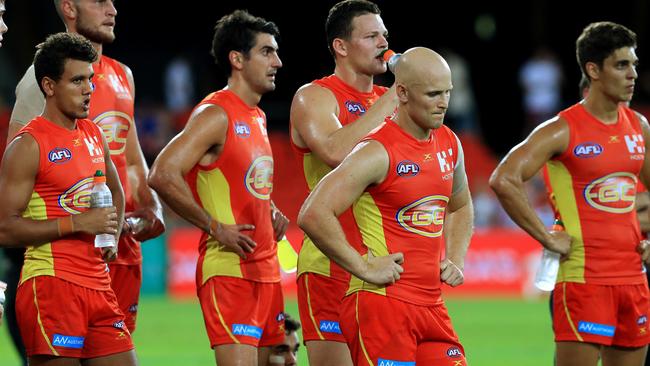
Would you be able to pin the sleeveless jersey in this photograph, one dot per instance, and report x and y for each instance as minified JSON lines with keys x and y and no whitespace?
{"x":406,"y":212}
{"x":111,"y":108}
{"x":352,"y":105}
{"x":594,"y":184}
{"x":68,"y":160}
{"x":236,"y":189}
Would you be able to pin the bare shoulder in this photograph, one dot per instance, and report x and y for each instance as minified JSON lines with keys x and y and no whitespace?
{"x":312,"y":93}
{"x":23,"y":148}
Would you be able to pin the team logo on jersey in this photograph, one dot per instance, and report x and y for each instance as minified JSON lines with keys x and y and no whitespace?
{"x":355,"y":107}
{"x":588,"y":150}
{"x":614,"y":193}
{"x":115,"y":126}
{"x":242,"y":129}
{"x":407,"y":169}
{"x":454,"y":352}
{"x":259,"y":177}
{"x":425,"y":216}
{"x":59,"y":155}
{"x":76,"y":198}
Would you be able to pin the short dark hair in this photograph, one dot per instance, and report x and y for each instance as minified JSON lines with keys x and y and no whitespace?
{"x":599,"y":40}
{"x":237,"y":32}
{"x":290,"y":324}
{"x":340,"y":17}
{"x":51,"y":55}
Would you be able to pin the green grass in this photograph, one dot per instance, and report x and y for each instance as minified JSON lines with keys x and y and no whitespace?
{"x":494,"y":332}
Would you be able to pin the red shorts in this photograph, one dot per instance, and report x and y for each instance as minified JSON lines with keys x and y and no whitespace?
{"x":384,"y":331}
{"x":319,"y":302}
{"x":607,"y":315}
{"x":125,"y":282}
{"x":238,"y":311}
{"x":59,"y":318}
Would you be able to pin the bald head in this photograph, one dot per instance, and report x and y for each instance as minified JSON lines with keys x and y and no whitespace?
{"x":419,"y":64}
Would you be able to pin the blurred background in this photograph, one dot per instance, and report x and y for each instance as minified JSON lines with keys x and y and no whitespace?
{"x":513,"y":67}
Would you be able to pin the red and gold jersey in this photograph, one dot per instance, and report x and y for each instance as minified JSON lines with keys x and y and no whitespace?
{"x":352,"y":105}
{"x":68,"y":160}
{"x":111,"y":108}
{"x":594,"y":183}
{"x":406,"y":212}
{"x":236,"y":189}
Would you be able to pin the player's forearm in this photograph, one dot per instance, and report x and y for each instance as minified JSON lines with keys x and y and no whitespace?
{"x":175,"y":192}
{"x":459,"y":226}
{"x":513,"y":198}
{"x":17,"y":231}
{"x":327,"y":234}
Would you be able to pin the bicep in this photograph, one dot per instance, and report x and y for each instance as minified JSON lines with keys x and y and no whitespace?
{"x":18,"y":175}
{"x":314,"y":116}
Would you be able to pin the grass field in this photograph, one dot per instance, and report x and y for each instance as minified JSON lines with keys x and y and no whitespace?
{"x":495,"y":332}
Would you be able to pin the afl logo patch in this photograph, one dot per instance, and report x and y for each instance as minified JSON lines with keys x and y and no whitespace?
{"x":355,"y":107}
{"x":59,"y":155}
{"x":242,"y":129}
{"x":588,"y":150}
{"x":407,"y":169}
{"x":454,"y":352}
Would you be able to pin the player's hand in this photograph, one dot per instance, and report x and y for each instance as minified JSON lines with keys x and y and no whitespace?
{"x":560,"y":242}
{"x":231,"y":237}
{"x":450,"y":273}
{"x":383,"y":270}
{"x":280,"y":223}
{"x":109,"y":253}
{"x":96,"y":221}
{"x":152,"y":225}
{"x":644,"y":249}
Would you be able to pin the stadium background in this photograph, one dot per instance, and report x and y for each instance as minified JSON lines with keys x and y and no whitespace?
{"x":500,"y":318}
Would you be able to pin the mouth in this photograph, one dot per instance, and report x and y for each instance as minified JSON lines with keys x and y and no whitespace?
{"x":86,"y":104}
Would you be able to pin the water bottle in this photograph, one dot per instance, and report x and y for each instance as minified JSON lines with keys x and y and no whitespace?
{"x":101,"y":197}
{"x":287,"y":256}
{"x":550,"y":265}
{"x":391,"y":59}
{"x":136,"y":224}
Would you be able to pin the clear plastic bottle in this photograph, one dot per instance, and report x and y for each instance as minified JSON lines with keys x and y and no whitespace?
{"x":101,"y":197}
{"x":391,"y":59}
{"x":136,"y":224}
{"x":550,"y":265}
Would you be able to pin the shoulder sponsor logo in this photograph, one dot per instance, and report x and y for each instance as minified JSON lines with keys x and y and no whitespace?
{"x":77,"y":198}
{"x":635,"y":146}
{"x":383,"y":362}
{"x":242,"y":129}
{"x":425,"y":216}
{"x":66,"y":341}
{"x":355,"y":107}
{"x":259,"y":177}
{"x":454,"y":352}
{"x":614,"y":193}
{"x":329,"y":326}
{"x":247,"y":330}
{"x":445,"y":160}
{"x":588,"y":150}
{"x":407,"y":169}
{"x":59,"y":155}
{"x":597,"y":329}
{"x":115,"y":126}
{"x":94,"y":146}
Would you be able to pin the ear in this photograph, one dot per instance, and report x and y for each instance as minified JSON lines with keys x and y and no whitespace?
{"x":340,"y":47}
{"x":48,"y":86}
{"x":236,"y":59}
{"x":402,"y":93}
{"x":593,"y":71}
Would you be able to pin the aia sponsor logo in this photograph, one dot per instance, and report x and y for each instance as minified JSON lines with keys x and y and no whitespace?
{"x":425,"y":216}
{"x":354,"y":107}
{"x":588,"y":150}
{"x":242,"y":129}
{"x":59,"y":155}
{"x":115,"y":126}
{"x":259,"y":177}
{"x":614,"y":193}
{"x":407,"y":169}
{"x":76,"y":199}
{"x":453,"y":352}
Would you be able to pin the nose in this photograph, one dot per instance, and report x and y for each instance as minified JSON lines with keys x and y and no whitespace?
{"x":3,"y":26}
{"x":277,"y":63}
{"x":111,"y":11}
{"x":383,"y":42}
{"x":291,"y":359}
{"x":633,"y":74}
{"x":88,"y":88}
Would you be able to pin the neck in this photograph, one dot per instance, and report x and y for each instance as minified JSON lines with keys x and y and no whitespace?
{"x":357,"y":80}
{"x":54,"y":115}
{"x":407,"y":124}
{"x":97,"y":46}
{"x":602,"y":107}
{"x":237,"y":85}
